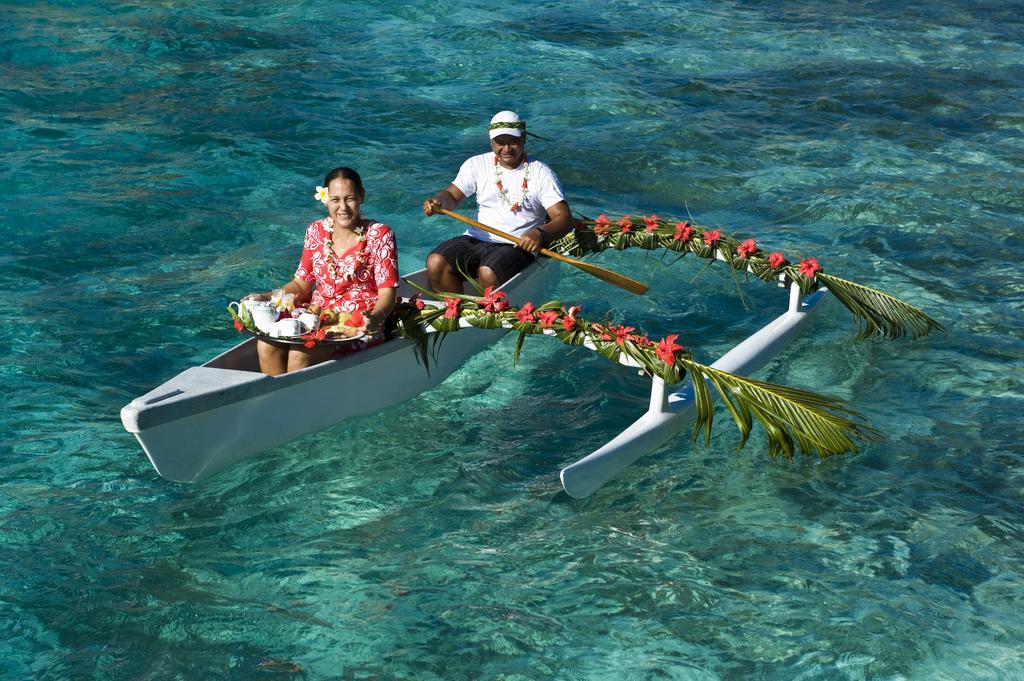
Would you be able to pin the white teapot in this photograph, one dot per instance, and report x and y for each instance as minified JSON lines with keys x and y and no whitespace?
{"x":263,"y":312}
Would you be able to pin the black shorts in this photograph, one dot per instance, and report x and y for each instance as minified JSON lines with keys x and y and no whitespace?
{"x":466,"y":255}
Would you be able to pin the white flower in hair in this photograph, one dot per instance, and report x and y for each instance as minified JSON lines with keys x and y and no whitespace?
{"x":321,"y":194}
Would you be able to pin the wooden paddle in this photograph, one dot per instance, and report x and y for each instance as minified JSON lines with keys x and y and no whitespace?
{"x":614,"y":278}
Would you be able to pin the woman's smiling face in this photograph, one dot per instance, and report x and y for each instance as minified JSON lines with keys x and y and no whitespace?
{"x":343,"y":203}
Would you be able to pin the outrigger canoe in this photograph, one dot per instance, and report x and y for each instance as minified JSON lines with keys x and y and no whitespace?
{"x":211,"y":416}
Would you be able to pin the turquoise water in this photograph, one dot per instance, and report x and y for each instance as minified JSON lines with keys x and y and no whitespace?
{"x":160,"y":160}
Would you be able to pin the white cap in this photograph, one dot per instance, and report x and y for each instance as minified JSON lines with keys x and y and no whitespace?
{"x":513,"y":125}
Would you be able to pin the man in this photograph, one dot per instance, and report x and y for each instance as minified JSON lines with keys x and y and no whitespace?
{"x":515,"y":194}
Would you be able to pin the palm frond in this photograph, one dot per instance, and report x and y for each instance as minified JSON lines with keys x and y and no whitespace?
{"x":794,"y":420}
{"x":878,"y":313}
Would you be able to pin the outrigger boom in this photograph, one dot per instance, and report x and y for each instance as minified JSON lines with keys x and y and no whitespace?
{"x":668,"y":414}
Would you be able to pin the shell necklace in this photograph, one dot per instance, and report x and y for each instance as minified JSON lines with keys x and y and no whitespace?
{"x":332,"y":258}
{"x":514,"y":206}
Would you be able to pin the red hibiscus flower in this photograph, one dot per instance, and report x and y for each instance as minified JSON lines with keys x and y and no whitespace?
{"x":667,"y":348}
{"x":569,"y":320}
{"x":415,"y":300}
{"x":602,"y":224}
{"x":713,"y":237}
{"x":651,"y":222}
{"x":808,"y":266}
{"x":776,"y":259}
{"x":452,"y":309}
{"x":621,"y":333}
{"x":683,"y":232}
{"x":547,"y":318}
{"x":626,"y":224}
{"x":747,"y":248}
{"x":239,"y":325}
{"x":494,"y":301}
{"x":525,"y":314}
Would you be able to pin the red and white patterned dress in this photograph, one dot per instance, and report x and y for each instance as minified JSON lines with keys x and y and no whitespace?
{"x":362,"y":270}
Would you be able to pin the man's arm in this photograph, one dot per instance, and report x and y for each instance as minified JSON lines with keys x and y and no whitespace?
{"x":559,"y":223}
{"x":448,"y":198}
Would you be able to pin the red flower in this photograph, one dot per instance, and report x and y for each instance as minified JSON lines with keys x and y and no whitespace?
{"x":547,"y":318}
{"x":452,"y":311}
{"x":776,"y":259}
{"x":621,"y":333}
{"x":642,"y":341}
{"x":808,"y":266}
{"x":514,"y":208}
{"x":496,"y":301}
{"x":747,"y":248}
{"x":239,"y":325}
{"x":415,"y":300}
{"x":312,"y":338}
{"x":602,"y":219}
{"x":356,"y":320}
{"x":626,"y":224}
{"x":683,"y":232}
{"x":569,"y":320}
{"x":525,"y":314}
{"x":667,"y":348}
{"x":499,"y":184}
{"x":651,"y":222}
{"x":713,"y":237}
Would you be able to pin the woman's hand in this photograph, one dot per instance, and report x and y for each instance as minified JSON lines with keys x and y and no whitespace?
{"x":374,"y":326}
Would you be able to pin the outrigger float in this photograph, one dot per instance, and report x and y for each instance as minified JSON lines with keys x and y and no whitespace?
{"x":211,"y":416}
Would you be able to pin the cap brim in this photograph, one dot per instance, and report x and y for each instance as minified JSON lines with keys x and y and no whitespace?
{"x":515,"y":132}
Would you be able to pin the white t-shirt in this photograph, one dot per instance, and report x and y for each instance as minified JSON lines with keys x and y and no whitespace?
{"x":478,"y":176}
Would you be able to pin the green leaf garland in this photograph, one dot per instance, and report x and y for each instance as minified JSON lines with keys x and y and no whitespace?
{"x":877,"y":313}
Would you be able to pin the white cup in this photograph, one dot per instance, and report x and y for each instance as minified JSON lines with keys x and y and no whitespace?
{"x":287,"y":328}
{"x":310,"y":320}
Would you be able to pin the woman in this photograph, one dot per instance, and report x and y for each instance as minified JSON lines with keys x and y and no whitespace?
{"x":349,"y":263}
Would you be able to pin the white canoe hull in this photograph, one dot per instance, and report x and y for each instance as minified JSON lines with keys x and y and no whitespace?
{"x":211,"y":416}
{"x":668,"y":415}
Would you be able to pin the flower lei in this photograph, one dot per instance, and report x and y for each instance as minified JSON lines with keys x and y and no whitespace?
{"x":877,"y":313}
{"x":516,"y":206}
{"x":493,"y":310}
